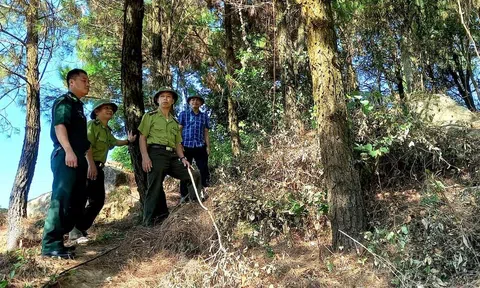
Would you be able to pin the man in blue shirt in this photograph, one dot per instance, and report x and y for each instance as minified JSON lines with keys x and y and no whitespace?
{"x":195,"y":125}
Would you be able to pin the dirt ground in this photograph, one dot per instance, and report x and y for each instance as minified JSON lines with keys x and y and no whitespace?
{"x":125,"y":254}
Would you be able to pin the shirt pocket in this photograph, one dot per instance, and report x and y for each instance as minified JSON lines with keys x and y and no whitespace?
{"x":79,"y":113}
{"x":157,"y":128}
{"x":174,"y":129}
{"x":102,"y":142}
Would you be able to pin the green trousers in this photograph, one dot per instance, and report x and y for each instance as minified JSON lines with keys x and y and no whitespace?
{"x":95,"y":194}
{"x":164,"y":163}
{"x":68,"y":193}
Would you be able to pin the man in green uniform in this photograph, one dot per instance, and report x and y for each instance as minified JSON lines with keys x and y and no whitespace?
{"x":101,"y":140}
{"x":162,"y":154}
{"x":69,"y":165}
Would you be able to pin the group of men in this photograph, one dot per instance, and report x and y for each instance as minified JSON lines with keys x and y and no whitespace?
{"x":80,"y":151}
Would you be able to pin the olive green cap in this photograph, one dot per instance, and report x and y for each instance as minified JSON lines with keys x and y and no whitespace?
{"x":165,"y":89}
{"x":99,"y":103}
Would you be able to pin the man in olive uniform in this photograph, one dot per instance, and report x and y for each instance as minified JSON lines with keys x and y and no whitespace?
{"x":69,"y":165}
{"x":101,"y":140}
{"x":162,"y":154}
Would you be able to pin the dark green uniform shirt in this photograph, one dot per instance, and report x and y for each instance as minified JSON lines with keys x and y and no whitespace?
{"x":101,"y":139}
{"x":159,"y":130}
{"x":68,"y":110}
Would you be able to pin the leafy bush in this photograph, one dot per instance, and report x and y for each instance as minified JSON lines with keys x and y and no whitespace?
{"x":121,"y":155}
{"x":437,"y":243}
{"x":395,"y":145}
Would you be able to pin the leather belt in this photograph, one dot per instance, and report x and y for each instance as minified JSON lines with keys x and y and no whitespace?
{"x":159,"y":146}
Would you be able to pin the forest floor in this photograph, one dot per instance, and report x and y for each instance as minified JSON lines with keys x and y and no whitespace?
{"x":421,"y":234}
{"x":128,"y":257}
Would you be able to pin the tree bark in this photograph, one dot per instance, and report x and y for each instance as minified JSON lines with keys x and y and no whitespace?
{"x":351,"y":76}
{"x":161,"y":74}
{"x":230,"y":63}
{"x":26,"y":167}
{"x":346,"y":203}
{"x":131,"y":74}
{"x":288,"y":76}
{"x":347,"y":36}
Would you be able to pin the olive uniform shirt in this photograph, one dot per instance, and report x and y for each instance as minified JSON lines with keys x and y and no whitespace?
{"x":159,"y":130}
{"x":101,"y":139}
{"x":68,"y":110}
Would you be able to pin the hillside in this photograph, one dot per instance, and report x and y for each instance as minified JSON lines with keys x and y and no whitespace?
{"x":422,"y":206}
{"x":182,"y":252}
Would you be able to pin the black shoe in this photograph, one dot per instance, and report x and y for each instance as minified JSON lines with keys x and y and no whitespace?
{"x":70,"y":248}
{"x":64,"y":254}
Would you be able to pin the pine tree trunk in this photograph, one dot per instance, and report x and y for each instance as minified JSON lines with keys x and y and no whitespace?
{"x":347,"y":36}
{"x":286,"y":61}
{"x":230,"y":62}
{"x":26,"y":167}
{"x":132,"y":83}
{"x":160,"y":67}
{"x":407,"y":63}
{"x":346,"y":204}
{"x":351,"y":76}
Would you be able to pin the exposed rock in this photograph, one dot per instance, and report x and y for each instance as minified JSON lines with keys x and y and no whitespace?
{"x":442,"y":110}
{"x":38,"y":206}
{"x":114,"y":177}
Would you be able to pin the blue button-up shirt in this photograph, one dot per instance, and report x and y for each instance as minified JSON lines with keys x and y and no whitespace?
{"x":193,"y":132}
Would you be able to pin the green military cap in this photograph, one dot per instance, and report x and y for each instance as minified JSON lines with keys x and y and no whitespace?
{"x":99,"y":103}
{"x":165,"y":89}
{"x":196,"y":96}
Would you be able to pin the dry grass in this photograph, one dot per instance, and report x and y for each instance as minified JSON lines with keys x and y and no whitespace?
{"x":267,"y":208}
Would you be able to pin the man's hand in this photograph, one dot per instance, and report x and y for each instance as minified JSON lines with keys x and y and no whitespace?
{"x":208,"y":150}
{"x":71,"y":159}
{"x":147,"y":164}
{"x":131,"y":138}
{"x":186,"y":163}
{"x":92,"y":172}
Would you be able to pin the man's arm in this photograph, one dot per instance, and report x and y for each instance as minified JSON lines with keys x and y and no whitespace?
{"x":182,"y":156}
{"x":62,"y":136}
{"x":121,"y":142}
{"x":130,"y":139}
{"x":146,"y":161}
{"x":207,"y":140}
{"x":92,"y":169}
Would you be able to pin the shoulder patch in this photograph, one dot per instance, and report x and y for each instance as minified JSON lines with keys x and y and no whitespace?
{"x":60,"y":99}
{"x":152,"y":112}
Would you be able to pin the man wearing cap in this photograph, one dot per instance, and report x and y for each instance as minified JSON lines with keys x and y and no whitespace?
{"x":196,"y":143}
{"x":69,"y":166}
{"x":102,"y":140}
{"x":162,"y":154}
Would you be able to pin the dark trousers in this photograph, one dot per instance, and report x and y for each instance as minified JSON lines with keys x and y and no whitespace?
{"x":201,"y":159}
{"x":95,"y":194}
{"x":68,"y":194}
{"x":164,"y":163}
